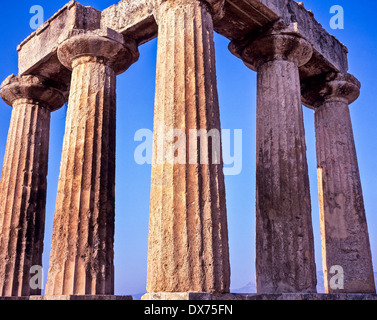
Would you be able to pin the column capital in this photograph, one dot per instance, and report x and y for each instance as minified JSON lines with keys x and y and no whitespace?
{"x":332,"y":86}
{"x":279,"y":42}
{"x":215,"y":7}
{"x":33,"y":89}
{"x":101,"y":45}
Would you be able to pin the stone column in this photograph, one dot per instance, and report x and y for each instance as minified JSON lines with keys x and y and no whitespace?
{"x":345,"y":239}
{"x":23,"y":180}
{"x":81,"y":259}
{"x":284,"y":236}
{"x":188,"y":241}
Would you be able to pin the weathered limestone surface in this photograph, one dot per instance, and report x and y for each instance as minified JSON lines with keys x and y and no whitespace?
{"x":241,"y":18}
{"x":326,"y":48}
{"x":284,"y":236}
{"x":188,"y":241}
{"x":135,"y":20}
{"x":345,"y":240}
{"x":37,"y":54}
{"x":132,"y":18}
{"x":246,"y":17}
{"x":23,"y":181}
{"x":81,"y":260}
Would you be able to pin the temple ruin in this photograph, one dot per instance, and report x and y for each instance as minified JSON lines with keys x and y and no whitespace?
{"x":75,"y":57}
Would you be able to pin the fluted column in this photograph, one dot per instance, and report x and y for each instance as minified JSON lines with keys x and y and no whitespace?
{"x":188,"y":241}
{"x":23,"y":180}
{"x":284,"y":236}
{"x":81,"y":259}
{"x":344,"y":231}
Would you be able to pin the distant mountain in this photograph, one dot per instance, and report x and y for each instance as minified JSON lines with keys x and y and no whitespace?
{"x":320,"y":282}
{"x":137,"y":296}
{"x":252,"y":288}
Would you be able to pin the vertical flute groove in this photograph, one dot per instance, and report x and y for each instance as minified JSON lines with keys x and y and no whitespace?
{"x":344,"y":231}
{"x":23,"y":198}
{"x":82,"y":246}
{"x":190,"y":196}
{"x":283,"y":212}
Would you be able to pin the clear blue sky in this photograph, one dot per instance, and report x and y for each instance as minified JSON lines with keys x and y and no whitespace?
{"x":237,"y":89}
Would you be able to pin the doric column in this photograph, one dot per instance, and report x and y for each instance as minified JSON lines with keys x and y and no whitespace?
{"x":188,"y":241}
{"x":284,"y":236}
{"x":23,"y":180}
{"x":345,"y":240}
{"x":81,"y":259}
